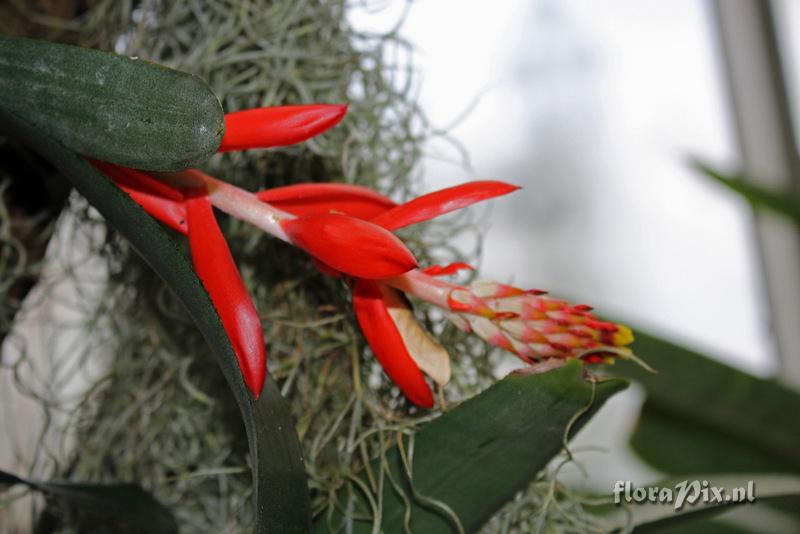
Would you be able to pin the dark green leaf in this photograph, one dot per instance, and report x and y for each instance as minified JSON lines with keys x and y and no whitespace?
{"x":119,"y":507}
{"x":281,"y":490}
{"x":729,"y":420}
{"x":475,"y":457}
{"x":110,"y":107}
{"x":662,"y":439}
{"x":651,"y":517}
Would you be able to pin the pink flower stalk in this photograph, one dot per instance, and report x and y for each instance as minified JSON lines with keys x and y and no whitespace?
{"x":347,"y":231}
{"x":527,"y":323}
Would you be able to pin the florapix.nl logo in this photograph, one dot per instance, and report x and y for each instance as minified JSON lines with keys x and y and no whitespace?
{"x":683,"y":493}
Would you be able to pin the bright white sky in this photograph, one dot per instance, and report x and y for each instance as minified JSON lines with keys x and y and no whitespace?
{"x":593,"y":107}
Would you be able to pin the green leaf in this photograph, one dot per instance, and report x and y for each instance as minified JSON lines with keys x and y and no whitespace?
{"x":652,"y":517}
{"x":783,"y":204}
{"x":110,"y":107}
{"x":279,"y":478}
{"x":119,"y":507}
{"x":474,"y":458}
{"x":729,"y":420}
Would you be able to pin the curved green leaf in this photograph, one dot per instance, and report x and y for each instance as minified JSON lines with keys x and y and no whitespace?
{"x":730,"y":420}
{"x":280,"y":485}
{"x":119,"y":507}
{"x":110,"y":107}
{"x":475,"y":457}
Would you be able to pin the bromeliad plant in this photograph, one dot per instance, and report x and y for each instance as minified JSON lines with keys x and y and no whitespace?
{"x":347,"y":230}
{"x":449,"y":474}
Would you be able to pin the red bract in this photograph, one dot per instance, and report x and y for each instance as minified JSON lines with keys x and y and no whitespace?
{"x":156,"y":198}
{"x":451,"y":268}
{"x":440,"y":202}
{"x":364,"y":203}
{"x":278,"y":126}
{"x":217,"y":270}
{"x":320,"y":200}
{"x":350,"y":245}
{"x":387,"y":343}
{"x":317,"y":199}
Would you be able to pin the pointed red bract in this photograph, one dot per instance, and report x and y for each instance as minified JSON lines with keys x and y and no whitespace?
{"x":159,"y":200}
{"x":350,"y":245}
{"x":450,"y":268}
{"x":314,"y":199}
{"x":278,"y":126}
{"x":387,"y":344}
{"x":217,"y":270}
{"x":440,"y":202}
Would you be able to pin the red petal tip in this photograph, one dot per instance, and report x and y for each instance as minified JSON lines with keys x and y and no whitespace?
{"x":279,"y":125}
{"x":452,"y":268}
{"x":457,"y":305}
{"x":350,"y":245}
{"x":593,"y":358}
{"x":158,"y":199}
{"x":440,"y":202}
{"x":382,"y":335}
